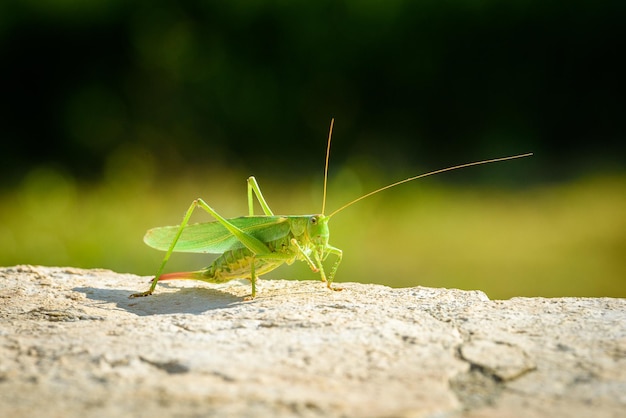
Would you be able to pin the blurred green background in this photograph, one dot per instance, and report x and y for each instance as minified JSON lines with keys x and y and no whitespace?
{"x":115,"y":115}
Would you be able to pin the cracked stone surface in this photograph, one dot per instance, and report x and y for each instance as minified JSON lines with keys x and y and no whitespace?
{"x":73,"y":344}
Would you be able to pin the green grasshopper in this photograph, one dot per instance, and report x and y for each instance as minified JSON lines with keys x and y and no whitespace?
{"x":252,"y":245}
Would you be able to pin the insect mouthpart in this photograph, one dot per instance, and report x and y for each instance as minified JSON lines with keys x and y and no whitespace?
{"x":317,"y":229}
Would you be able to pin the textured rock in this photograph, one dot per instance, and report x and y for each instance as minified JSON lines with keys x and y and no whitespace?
{"x":73,"y":344}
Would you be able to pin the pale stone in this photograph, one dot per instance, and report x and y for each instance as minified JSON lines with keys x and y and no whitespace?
{"x":72,"y":344}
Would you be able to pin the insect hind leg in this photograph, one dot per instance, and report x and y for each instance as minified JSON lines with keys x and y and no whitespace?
{"x":253,"y":186}
{"x":170,"y":250}
{"x":252,"y":243}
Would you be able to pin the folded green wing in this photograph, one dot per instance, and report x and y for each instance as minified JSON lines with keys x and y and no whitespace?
{"x":213,"y":237}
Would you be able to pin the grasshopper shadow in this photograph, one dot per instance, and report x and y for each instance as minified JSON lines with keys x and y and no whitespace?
{"x":185,"y":300}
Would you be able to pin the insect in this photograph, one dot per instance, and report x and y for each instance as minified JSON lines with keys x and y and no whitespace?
{"x":250,"y":246}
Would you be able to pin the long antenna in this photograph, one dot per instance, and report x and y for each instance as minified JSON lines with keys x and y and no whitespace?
{"x":330,"y":134}
{"x":456,"y":167}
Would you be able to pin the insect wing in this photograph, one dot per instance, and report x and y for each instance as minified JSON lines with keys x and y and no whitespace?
{"x":214,"y":238}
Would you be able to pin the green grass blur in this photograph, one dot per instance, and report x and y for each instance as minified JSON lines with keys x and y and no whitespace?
{"x":109,"y":107}
{"x":560,"y":240}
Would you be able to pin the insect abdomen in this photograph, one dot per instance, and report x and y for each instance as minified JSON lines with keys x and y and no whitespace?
{"x":236,"y":264}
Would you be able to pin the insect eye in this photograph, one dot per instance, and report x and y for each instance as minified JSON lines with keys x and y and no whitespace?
{"x":313,"y":220}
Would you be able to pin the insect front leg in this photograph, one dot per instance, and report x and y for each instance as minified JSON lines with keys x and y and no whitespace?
{"x":306,"y":257}
{"x":318,"y":259}
{"x":333,"y":270}
{"x":317,"y":265}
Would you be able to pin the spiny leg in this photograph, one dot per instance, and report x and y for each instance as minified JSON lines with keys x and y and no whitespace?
{"x":317,"y":266}
{"x":253,"y":244}
{"x":331,"y":276}
{"x":169,"y":252}
{"x":252,"y":281}
{"x":333,"y":270}
{"x":253,"y":186}
{"x":308,"y":260}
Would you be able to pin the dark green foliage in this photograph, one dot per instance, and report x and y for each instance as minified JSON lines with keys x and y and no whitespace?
{"x":254,"y":84}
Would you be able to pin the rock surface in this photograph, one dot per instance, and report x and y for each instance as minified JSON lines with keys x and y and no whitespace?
{"x":73,"y":344}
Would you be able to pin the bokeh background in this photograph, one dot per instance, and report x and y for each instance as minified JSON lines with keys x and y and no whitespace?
{"x":115,"y":115}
